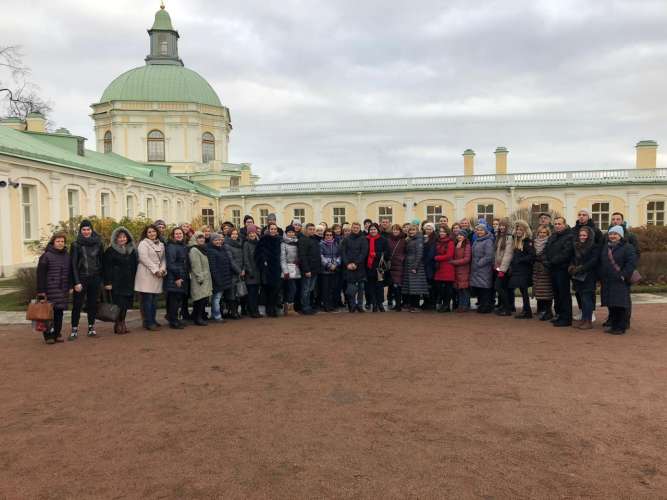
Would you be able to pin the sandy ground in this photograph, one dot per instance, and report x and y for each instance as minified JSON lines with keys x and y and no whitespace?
{"x":346,"y":406}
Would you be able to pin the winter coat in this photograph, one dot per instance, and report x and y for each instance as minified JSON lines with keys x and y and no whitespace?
{"x":252,"y":276}
{"x":503,"y":257}
{"x":542,"y":289}
{"x":396,"y":254}
{"x":429,"y":257}
{"x":120,"y":265}
{"x":559,"y":251}
{"x":289,"y":257}
{"x":354,"y":250}
{"x":483,"y":258}
{"x":616,"y":285}
{"x":310,"y":259}
{"x":267,"y":257}
{"x":583,"y":269}
{"x":461,"y":263}
{"x":381,"y":249}
{"x":414,"y":283}
{"x":151,"y":257}
{"x":235,"y":250}
{"x":521,"y":268}
{"x":330,"y":256}
{"x":594,"y":228}
{"x":87,"y":256}
{"x":628,"y":237}
{"x":444,"y":254}
{"x":178,"y":267}
{"x":201,"y":284}
{"x":220,"y":266}
{"x":54,"y":276}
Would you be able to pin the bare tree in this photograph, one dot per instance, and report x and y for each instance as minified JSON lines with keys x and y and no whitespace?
{"x":18,"y":96}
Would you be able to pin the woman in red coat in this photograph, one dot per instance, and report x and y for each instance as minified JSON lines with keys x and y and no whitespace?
{"x":461,"y":263}
{"x":444,"y":270}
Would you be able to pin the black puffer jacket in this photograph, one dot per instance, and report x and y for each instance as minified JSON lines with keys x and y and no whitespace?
{"x":560,"y":248}
{"x":267,"y":258}
{"x":583,"y":269}
{"x":354,"y":249}
{"x":521,"y":268}
{"x":87,"y":258}
{"x":310,"y":257}
{"x":178,"y":267}
{"x":220,"y":263}
{"x":120,"y":265}
{"x":54,"y":276}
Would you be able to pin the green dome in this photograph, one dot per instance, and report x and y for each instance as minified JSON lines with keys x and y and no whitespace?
{"x":162,"y":21}
{"x":163,"y":83}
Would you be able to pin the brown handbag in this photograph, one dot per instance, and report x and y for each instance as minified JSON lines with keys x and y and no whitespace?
{"x":39,"y":311}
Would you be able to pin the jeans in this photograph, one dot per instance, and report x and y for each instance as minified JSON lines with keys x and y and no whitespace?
{"x":229,"y":296}
{"x":464,"y":298}
{"x":290,"y":290}
{"x":149,"y":308}
{"x":355,"y":294}
{"x":307,"y":287}
{"x":525,"y":297}
{"x":56,"y":325}
{"x":89,"y":295}
{"x":587,"y":304}
{"x":175,"y":302}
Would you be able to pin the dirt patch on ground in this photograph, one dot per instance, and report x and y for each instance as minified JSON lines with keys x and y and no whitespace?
{"x":375,"y":405}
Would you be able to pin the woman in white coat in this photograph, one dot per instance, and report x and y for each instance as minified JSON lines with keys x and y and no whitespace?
{"x":151,"y":271}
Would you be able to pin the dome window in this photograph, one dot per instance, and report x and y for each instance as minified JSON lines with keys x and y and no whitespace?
{"x":108,"y":141}
{"x":208,"y":147}
{"x":155,"y":146}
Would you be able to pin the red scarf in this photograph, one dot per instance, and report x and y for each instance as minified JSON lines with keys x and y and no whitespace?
{"x":371,"y":250}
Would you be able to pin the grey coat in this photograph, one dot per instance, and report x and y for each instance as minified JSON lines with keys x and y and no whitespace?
{"x":201,"y":284}
{"x":235,"y":249}
{"x":481,"y":266}
{"x":252,"y":276}
{"x":289,"y":257}
{"x":414,"y":283}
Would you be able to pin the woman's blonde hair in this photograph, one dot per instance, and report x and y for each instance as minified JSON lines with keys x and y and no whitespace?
{"x":527,"y":233}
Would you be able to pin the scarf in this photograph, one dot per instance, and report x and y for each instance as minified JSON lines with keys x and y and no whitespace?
{"x":540,"y":244}
{"x":371,"y":250}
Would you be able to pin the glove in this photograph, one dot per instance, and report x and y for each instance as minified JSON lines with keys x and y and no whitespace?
{"x":571,"y":270}
{"x":501,"y":274}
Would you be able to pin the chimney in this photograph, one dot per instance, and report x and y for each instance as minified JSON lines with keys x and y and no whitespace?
{"x":647,"y":154}
{"x":501,"y":160}
{"x":15,"y":123}
{"x":468,"y":162}
{"x":35,"y":122}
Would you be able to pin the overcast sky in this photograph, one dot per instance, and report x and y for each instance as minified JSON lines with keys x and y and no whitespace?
{"x":369,"y":88}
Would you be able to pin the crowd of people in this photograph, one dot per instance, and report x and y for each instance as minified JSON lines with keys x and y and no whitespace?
{"x":207,"y":276}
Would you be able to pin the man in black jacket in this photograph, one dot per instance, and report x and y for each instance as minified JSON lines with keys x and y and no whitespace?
{"x":559,"y":251}
{"x":584,"y":219}
{"x":310,"y":261}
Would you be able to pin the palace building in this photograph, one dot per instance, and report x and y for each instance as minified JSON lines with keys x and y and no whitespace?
{"x":161,"y":149}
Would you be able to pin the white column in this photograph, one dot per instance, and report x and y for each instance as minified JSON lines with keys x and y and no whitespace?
{"x":317,"y":211}
{"x":632,"y":214}
{"x":5,"y":232}
{"x":409,"y":204}
{"x":361,"y":209}
{"x":570,"y":208}
{"x":459,"y":207}
{"x":92,"y":199}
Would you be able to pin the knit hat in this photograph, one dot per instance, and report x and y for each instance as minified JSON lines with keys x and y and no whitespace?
{"x":289,"y":228}
{"x":416,"y":222}
{"x":464,"y":232}
{"x":296,"y":222}
{"x":584,"y":211}
{"x":160,"y":222}
{"x":617,"y":230}
{"x":215,"y":237}
{"x":271,"y":217}
{"x":429,"y":224}
{"x":482,"y":226}
{"x":252,"y":228}
{"x":85,"y":223}
{"x":198,"y":234}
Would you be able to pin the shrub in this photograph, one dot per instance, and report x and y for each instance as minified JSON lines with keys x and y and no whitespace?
{"x":651,"y":238}
{"x":27,"y":280}
{"x":653,"y":268}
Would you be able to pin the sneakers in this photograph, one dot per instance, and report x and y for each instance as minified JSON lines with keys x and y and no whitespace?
{"x":593,"y":318}
{"x":91,"y":331}
{"x":74,"y":334}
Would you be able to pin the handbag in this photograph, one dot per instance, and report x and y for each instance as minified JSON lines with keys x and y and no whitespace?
{"x":635,"y":278}
{"x":241,"y":289}
{"x":39,"y":310}
{"x":106,"y":310}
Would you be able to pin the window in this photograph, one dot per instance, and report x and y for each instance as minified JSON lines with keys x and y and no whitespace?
{"x":179,"y":209}
{"x":234,"y":183}
{"x":655,"y":213}
{"x":207,"y":147}
{"x":155,"y":146}
{"x":150,"y":208}
{"x":105,"y":205}
{"x":129,"y":206}
{"x":433,"y":213}
{"x":600,"y":213}
{"x":208,"y":217}
{"x":535,"y":210}
{"x":108,"y":141}
{"x":300,"y":215}
{"x":163,"y":45}
{"x":485,"y":211}
{"x":386,"y":213}
{"x":263,"y":216}
{"x":72,"y":203}
{"x":29,"y":210}
{"x":236,"y":217}
{"x":165,"y":209}
{"x":339,"y":215}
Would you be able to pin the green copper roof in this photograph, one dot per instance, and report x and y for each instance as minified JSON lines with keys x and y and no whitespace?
{"x":54,"y":150}
{"x":166,"y":83}
{"x":162,"y":20}
{"x":647,"y":143}
{"x":468,"y":152}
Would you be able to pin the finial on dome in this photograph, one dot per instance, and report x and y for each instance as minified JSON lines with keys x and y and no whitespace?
{"x":162,"y":4}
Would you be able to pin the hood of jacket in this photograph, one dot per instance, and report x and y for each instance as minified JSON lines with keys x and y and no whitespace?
{"x":129,"y":246}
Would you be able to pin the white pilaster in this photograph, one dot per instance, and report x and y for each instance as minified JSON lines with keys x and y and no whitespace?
{"x":5,"y":230}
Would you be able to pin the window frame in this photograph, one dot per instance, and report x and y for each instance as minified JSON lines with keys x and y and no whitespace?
{"x":155,"y":141}
{"x":105,"y":208}
{"x":652,"y":213}
{"x":236,"y":217}
{"x":208,"y":217}
{"x":150,"y":207}
{"x":339,"y":218}
{"x":597,"y":215}
{"x":535,"y":210}
{"x":30,"y":221}
{"x":435,"y":215}
{"x":206,"y":143}
{"x":485,"y":213}
{"x":73,"y":209}
{"x":388,"y":213}
{"x":263,"y":216}
{"x":130,"y":206}
{"x":108,"y":142}
{"x":301,"y":218}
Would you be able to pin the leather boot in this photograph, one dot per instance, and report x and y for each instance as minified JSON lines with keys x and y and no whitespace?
{"x":585,"y":325}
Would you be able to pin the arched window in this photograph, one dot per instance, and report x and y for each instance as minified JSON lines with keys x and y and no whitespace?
{"x":207,"y":147}
{"x":108,"y":141}
{"x":155,"y":146}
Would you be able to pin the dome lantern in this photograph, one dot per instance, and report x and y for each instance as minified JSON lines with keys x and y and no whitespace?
{"x":163,"y":40}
